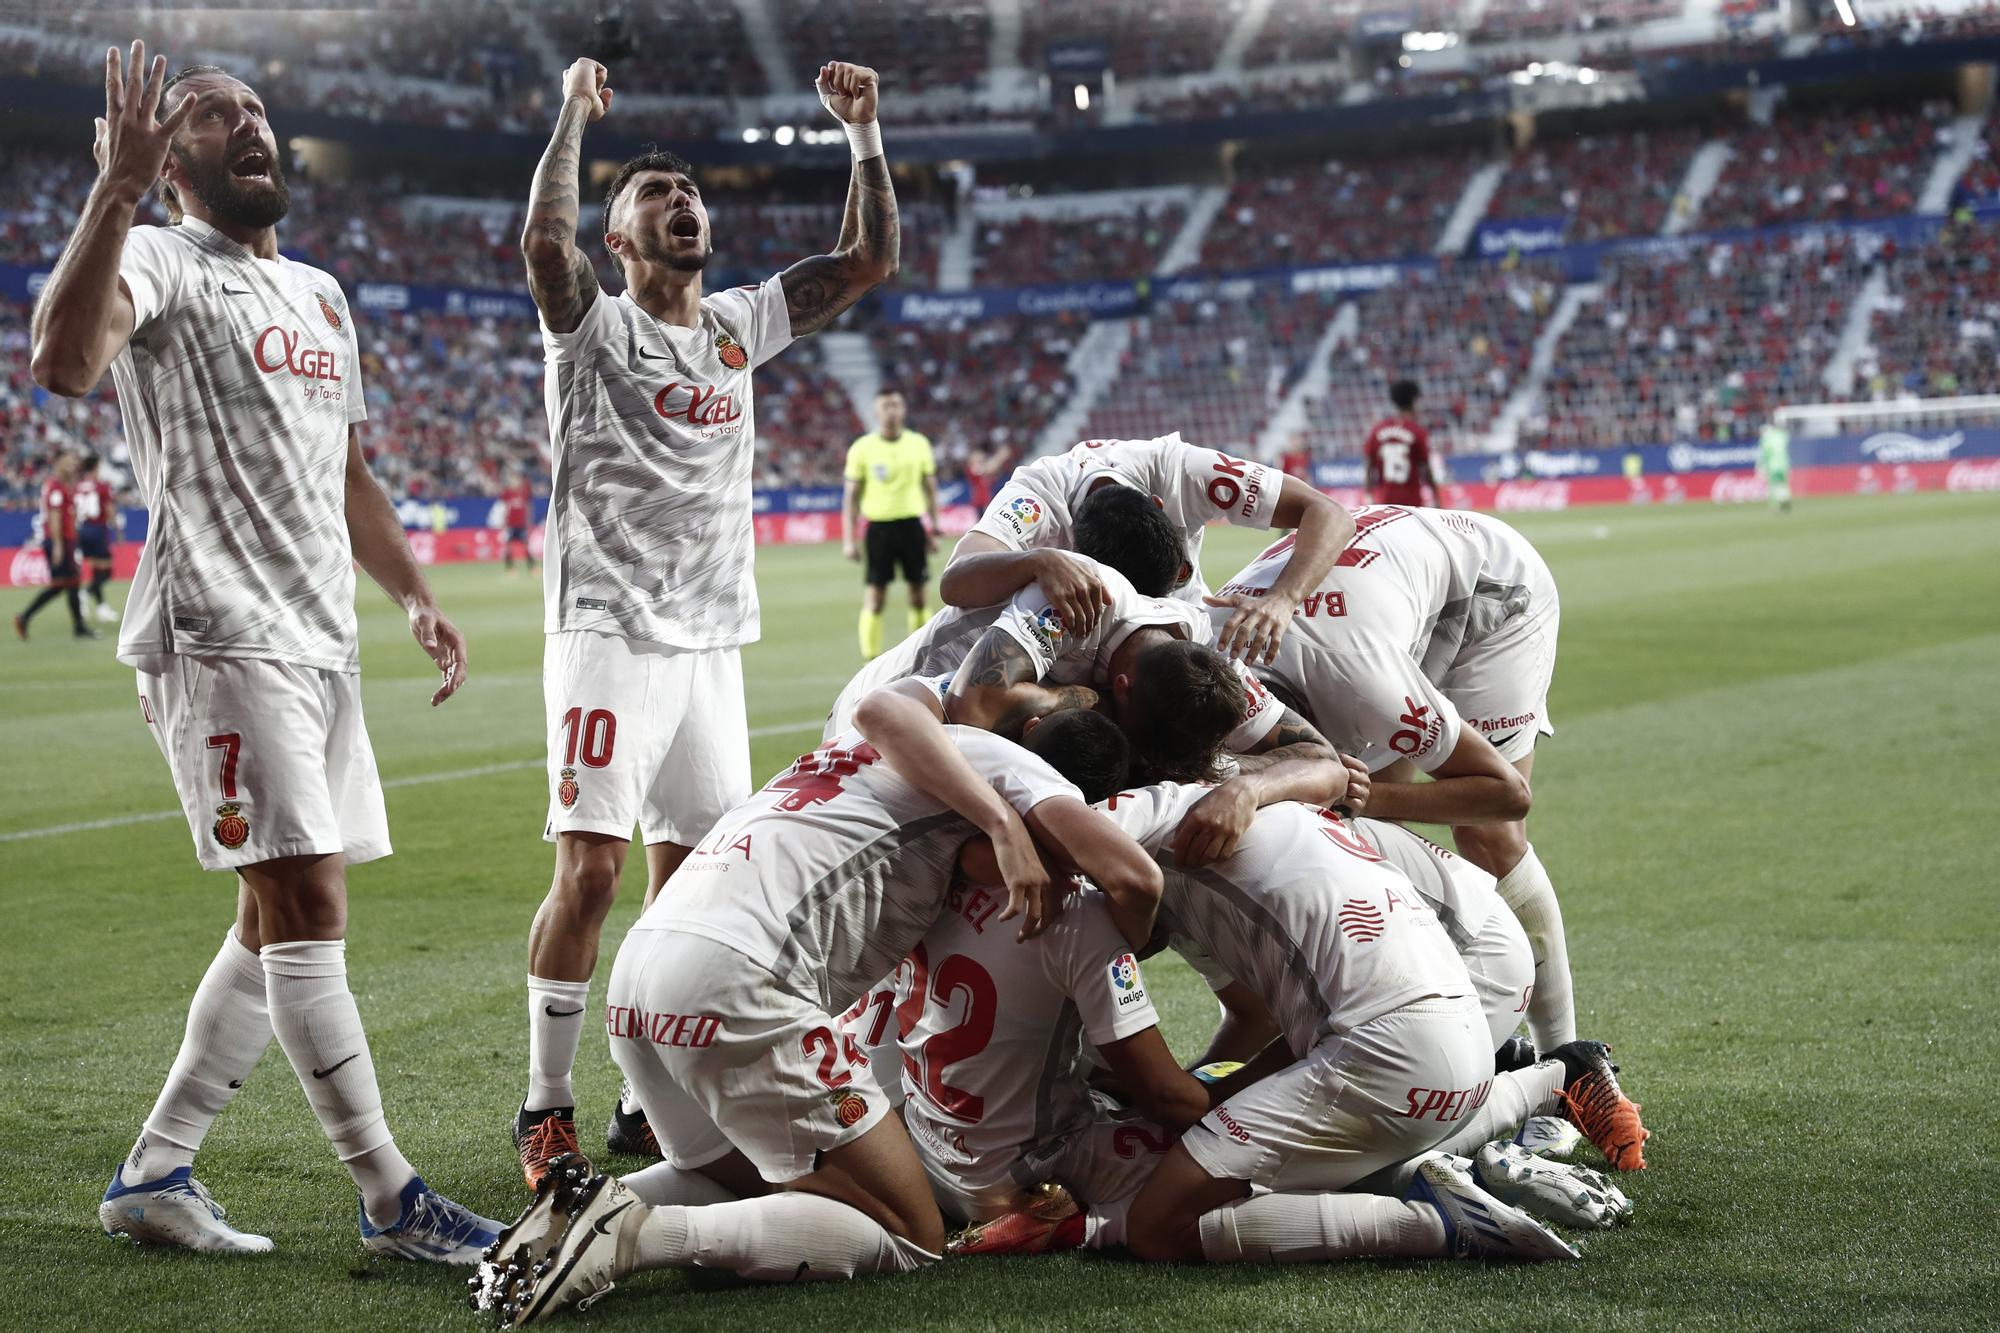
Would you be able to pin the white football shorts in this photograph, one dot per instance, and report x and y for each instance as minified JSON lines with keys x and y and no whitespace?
{"x":270,"y":759}
{"x":1392,"y":1088}
{"x":1500,"y":683}
{"x":721,"y":1056}
{"x":1101,"y":1161}
{"x":642,"y":734}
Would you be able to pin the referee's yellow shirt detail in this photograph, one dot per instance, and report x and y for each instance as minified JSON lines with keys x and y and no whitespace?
{"x":891,"y":474}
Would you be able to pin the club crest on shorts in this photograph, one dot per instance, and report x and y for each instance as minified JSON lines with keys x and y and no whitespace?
{"x":731,"y":352}
{"x":332,"y":315}
{"x":232,"y":830}
{"x":566,"y":788}
{"x":849,"y":1107}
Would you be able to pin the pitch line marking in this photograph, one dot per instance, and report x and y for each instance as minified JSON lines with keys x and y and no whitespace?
{"x":414,"y":780}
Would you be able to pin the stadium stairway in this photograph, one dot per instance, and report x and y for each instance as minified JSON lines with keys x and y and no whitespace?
{"x":1093,"y":365}
{"x":1291,"y":414}
{"x":1471,"y":207}
{"x":1951,"y":164}
{"x":1249,"y":23}
{"x":1704,"y":169}
{"x":1007,"y":79}
{"x":1854,"y":334}
{"x":850,"y":359}
{"x":955,"y":254}
{"x":767,"y":43}
{"x":1184,"y":251}
{"x":1506,"y":429}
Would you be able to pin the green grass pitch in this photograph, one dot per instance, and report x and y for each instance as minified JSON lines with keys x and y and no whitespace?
{"x":1770,"y":812}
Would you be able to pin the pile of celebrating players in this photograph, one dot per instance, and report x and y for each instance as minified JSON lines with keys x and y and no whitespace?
{"x":895,"y":1004}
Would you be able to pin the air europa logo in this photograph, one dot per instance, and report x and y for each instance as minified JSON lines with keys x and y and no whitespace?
{"x":279,"y":349}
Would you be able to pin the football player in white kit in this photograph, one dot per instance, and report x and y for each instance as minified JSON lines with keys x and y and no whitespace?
{"x":238,"y":375}
{"x":1429,"y":648}
{"x":1383,"y":1059}
{"x":648,"y":588}
{"x":722,"y":999}
{"x":1033,"y":516}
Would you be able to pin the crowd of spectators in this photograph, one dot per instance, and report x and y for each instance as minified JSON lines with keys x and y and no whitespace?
{"x":978,"y":386}
{"x":1036,"y":248}
{"x":1143,"y":38}
{"x":1337,"y":211}
{"x":917,"y":45}
{"x":1701,"y":343}
{"x":1511,"y":20}
{"x":1213,"y":368}
{"x":1819,"y":165}
{"x":1466,"y":334}
{"x":1936,"y":332}
{"x":1609,"y":185}
{"x":1229,"y":99}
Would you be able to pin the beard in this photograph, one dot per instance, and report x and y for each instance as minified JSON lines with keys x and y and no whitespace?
{"x":225,"y":197}
{"x":652,"y":252}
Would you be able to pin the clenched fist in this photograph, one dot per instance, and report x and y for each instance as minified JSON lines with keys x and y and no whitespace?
{"x":850,"y":92}
{"x":585,"y":79}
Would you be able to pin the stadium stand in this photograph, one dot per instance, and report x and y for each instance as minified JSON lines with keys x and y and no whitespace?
{"x":1337,"y":212}
{"x":977,"y":385}
{"x":1610,"y":185}
{"x":1212,"y":368}
{"x":1033,"y":248}
{"x":923,"y":45}
{"x":1466,"y":333}
{"x":1145,"y":37}
{"x":1700,"y":344}
{"x":1936,"y":333}
{"x":1820,"y":165}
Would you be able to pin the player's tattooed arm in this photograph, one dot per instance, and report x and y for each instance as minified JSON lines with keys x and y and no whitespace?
{"x":560,"y":276}
{"x":997,"y":690}
{"x":820,"y":288}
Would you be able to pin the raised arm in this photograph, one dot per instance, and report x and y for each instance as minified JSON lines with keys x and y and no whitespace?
{"x":380,"y":547}
{"x":1324,"y":529}
{"x":85,"y":314}
{"x":560,"y":276}
{"x":870,"y":243}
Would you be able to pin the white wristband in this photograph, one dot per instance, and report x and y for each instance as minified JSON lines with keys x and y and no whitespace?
{"x":865,"y":141}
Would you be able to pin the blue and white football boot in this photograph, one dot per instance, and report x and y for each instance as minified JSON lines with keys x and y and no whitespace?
{"x":175,"y":1209}
{"x":431,"y":1228}
{"x":1477,"y":1225}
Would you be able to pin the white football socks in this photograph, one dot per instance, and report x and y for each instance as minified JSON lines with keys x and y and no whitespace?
{"x":1552,"y":1009}
{"x":1104,"y":1224}
{"x":228,"y":1029}
{"x":555,"y":1026}
{"x":785,"y":1237}
{"x":1308,"y":1228}
{"x":319,"y":1027}
{"x":664,"y":1183}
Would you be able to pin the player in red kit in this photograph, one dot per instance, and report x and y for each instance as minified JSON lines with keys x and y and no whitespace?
{"x":58,"y":514}
{"x":96,"y":512}
{"x":517,"y":514}
{"x":1399,"y":454}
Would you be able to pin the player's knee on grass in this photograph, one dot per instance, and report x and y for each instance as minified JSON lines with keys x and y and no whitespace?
{"x":879,"y":1174}
{"x":298,"y":898}
{"x":1164,"y":1224}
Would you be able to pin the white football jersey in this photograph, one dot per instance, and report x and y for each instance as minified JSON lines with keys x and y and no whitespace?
{"x":1463,"y":896}
{"x":1367,"y":646}
{"x":238,"y":386}
{"x":1060,"y":657}
{"x":1195,"y":487}
{"x":651,"y":429}
{"x":992,"y":1062}
{"x":1303,"y":912}
{"x":834,"y":871}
